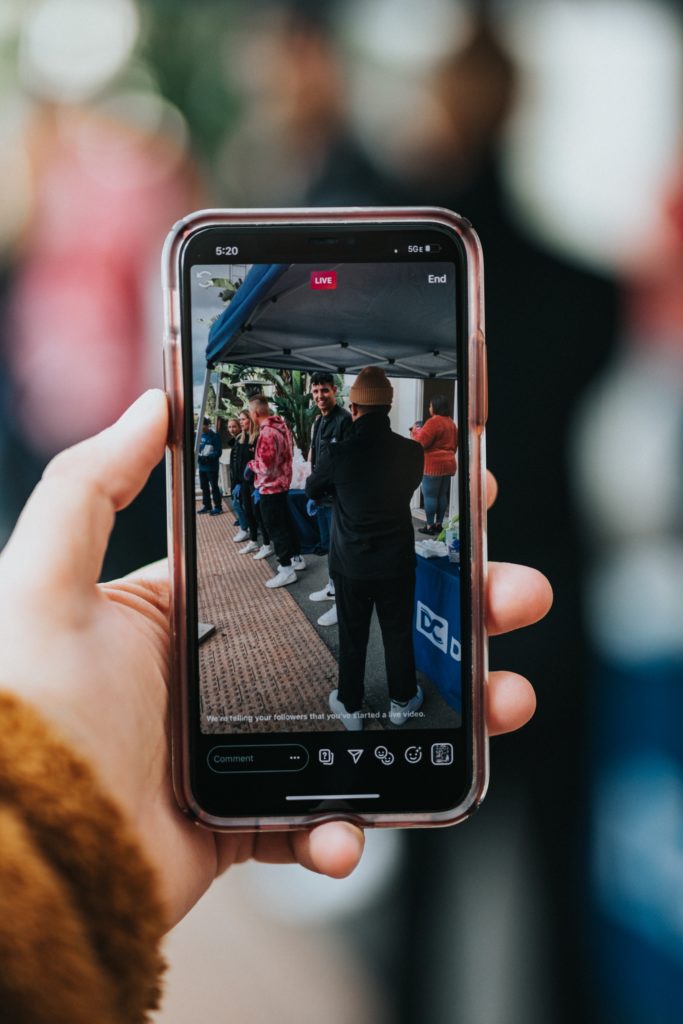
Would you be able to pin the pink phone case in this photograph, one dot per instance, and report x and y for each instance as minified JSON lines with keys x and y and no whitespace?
{"x":477,"y":392}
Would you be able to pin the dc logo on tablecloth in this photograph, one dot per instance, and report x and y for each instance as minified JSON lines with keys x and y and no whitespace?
{"x":435,"y":628}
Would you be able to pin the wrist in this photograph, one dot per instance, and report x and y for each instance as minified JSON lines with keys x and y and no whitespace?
{"x":101,"y":888}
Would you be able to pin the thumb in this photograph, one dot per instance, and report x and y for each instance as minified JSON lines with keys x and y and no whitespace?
{"x":62,"y":534}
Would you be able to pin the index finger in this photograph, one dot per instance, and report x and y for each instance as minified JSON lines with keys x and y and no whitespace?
{"x":516,"y":596}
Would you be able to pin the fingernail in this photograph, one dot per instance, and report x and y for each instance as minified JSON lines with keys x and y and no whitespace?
{"x":142,"y":406}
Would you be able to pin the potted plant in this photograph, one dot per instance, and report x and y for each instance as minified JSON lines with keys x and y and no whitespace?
{"x":451,"y":534}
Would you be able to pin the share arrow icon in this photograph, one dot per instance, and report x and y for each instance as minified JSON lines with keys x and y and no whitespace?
{"x":356,"y":755}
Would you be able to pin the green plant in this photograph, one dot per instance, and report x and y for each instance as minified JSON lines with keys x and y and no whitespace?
{"x":233,"y":396}
{"x":292,"y":397}
{"x":293,"y":401}
{"x":452,"y":524}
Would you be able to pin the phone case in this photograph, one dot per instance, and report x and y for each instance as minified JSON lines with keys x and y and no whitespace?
{"x":477,"y":414}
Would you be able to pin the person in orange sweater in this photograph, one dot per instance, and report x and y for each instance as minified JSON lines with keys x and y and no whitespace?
{"x":439,"y":438}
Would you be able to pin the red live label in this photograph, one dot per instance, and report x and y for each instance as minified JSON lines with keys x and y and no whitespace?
{"x":323,"y":279}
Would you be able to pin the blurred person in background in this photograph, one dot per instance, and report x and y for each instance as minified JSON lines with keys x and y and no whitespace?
{"x":629,"y":452}
{"x":106,"y":172}
{"x":551,"y":326}
{"x":439,"y":438}
{"x":550,"y":329}
{"x":293,"y":143}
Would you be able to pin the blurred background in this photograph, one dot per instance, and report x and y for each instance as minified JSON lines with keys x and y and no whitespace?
{"x":555,"y":127}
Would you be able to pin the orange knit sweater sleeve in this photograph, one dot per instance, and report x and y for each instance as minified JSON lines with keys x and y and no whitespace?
{"x":439,"y":438}
{"x":80,"y":917}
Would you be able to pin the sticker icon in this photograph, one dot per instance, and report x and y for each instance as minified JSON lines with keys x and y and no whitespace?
{"x":326,"y":756}
{"x":355,"y":755}
{"x":413,"y":755}
{"x":384,"y":755}
{"x":442,"y":753}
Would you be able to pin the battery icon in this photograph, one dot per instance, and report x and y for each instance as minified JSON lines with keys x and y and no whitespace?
{"x":432,"y":248}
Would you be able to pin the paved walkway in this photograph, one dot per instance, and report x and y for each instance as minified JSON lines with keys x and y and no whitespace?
{"x":267,"y":668}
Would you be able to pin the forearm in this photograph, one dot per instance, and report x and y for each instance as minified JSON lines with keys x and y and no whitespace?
{"x":81,"y":919}
{"x":424,"y":435}
{"x":319,"y":482}
{"x":265,"y":458}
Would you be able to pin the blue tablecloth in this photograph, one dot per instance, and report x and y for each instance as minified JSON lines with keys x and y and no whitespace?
{"x":436,"y":629}
{"x":306,"y":526}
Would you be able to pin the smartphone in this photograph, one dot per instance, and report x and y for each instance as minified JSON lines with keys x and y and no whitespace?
{"x":325,"y":336}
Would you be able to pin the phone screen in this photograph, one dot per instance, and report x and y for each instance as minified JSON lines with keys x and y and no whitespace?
{"x":328,"y":593}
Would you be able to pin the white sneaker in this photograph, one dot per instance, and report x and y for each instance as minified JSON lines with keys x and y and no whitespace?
{"x":242,"y":535}
{"x":263,"y":551}
{"x":399,"y":713}
{"x":351,"y":720}
{"x":296,"y":563}
{"x":326,"y":594}
{"x":251,"y":546}
{"x":285,"y":576}
{"x":329,"y":618}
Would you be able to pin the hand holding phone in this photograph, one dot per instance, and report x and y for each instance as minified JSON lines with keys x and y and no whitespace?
{"x":113,"y":709}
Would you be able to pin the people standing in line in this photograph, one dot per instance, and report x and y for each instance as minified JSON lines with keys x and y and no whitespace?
{"x":373,"y":476}
{"x":439,"y":438}
{"x":332,"y":426}
{"x":208,"y":461}
{"x":272,"y":469}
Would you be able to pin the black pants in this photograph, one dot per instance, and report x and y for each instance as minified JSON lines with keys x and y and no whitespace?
{"x":395,"y":602}
{"x":208,"y":481}
{"x":278,"y":522}
{"x":253,"y":516}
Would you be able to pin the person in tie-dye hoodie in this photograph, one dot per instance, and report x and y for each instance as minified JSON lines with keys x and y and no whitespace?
{"x":272,"y":469}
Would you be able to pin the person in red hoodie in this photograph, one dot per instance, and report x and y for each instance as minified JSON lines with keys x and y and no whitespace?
{"x":439,"y":438}
{"x":272,"y":469}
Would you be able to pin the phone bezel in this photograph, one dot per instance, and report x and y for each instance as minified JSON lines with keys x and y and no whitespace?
{"x":177,"y":510}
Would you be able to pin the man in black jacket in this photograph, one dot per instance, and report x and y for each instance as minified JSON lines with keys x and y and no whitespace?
{"x":332,"y":426}
{"x":373,"y":476}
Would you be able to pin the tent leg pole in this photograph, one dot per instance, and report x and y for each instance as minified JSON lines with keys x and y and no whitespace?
{"x":202,"y":410}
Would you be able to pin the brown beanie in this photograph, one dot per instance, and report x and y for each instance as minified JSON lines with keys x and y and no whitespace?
{"x":371,"y":387}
